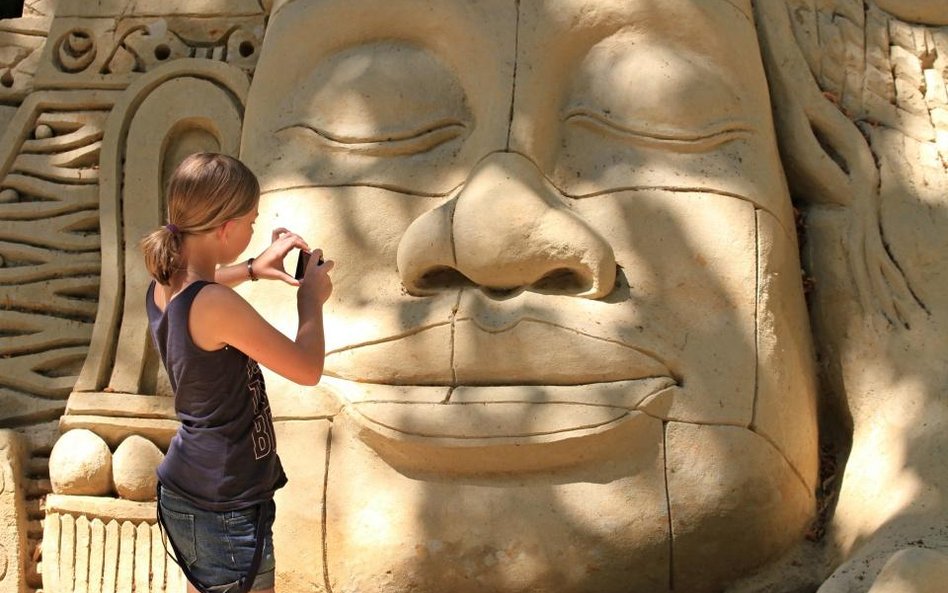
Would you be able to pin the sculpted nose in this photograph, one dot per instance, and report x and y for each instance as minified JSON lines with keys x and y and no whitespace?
{"x":507,"y":229}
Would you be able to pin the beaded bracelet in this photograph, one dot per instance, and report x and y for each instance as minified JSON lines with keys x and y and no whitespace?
{"x":253,"y":277}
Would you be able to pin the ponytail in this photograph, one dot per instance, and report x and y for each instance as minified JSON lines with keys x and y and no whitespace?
{"x":162,"y":251}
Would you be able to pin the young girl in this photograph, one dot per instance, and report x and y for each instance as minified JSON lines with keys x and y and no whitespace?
{"x":216,"y":484}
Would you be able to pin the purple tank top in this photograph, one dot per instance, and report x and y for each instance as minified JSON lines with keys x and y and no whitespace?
{"x":223,"y":456}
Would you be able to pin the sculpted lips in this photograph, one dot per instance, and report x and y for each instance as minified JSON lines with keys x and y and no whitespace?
{"x":522,"y":395}
{"x":528,"y":352}
{"x":528,"y":395}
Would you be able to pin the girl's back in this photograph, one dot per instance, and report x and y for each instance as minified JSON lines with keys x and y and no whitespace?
{"x":210,"y":460}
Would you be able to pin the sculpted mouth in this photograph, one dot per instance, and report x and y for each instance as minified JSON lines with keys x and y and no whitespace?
{"x":532,"y":396}
{"x":527,"y":352}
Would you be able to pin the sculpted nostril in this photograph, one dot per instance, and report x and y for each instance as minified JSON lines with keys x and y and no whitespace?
{"x":563,"y":281}
{"x":441,"y":278}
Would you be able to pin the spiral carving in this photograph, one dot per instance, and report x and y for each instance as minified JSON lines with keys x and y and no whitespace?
{"x":75,"y":51}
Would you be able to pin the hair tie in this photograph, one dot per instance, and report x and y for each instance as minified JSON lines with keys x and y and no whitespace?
{"x":172,"y":228}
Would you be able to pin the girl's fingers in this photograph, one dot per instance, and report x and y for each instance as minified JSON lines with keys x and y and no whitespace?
{"x":284,"y":245}
{"x":314,"y":262}
{"x":288,"y":279}
{"x":291,"y":239}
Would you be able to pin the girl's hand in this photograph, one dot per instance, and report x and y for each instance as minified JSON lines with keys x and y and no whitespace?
{"x":316,"y":285}
{"x":269,"y":264}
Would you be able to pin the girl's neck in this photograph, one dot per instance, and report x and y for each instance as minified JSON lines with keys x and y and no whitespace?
{"x":201,"y":262}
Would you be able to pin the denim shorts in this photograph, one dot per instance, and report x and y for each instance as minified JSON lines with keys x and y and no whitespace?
{"x":218,"y":547}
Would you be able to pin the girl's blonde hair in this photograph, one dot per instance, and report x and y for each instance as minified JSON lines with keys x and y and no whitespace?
{"x":205,"y":191}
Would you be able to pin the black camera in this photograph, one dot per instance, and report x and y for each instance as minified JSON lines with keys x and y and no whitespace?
{"x":302,"y":262}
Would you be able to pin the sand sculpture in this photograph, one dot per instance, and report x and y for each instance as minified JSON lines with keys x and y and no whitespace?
{"x":569,"y":341}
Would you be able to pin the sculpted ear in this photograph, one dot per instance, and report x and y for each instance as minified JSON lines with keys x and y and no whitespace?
{"x":828,"y":162}
{"x":923,"y":12}
{"x":183,"y":107}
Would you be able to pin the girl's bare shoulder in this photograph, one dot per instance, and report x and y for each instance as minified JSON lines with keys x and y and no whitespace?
{"x":216,"y":313}
{"x":218,"y":298}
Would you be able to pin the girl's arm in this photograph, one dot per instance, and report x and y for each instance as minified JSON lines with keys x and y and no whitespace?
{"x":220,"y":317}
{"x":268,"y":264}
{"x":235,"y":273}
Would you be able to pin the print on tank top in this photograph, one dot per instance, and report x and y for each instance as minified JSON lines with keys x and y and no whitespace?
{"x":263,"y":440}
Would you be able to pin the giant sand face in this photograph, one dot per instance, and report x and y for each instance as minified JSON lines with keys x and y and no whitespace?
{"x":567,"y":327}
